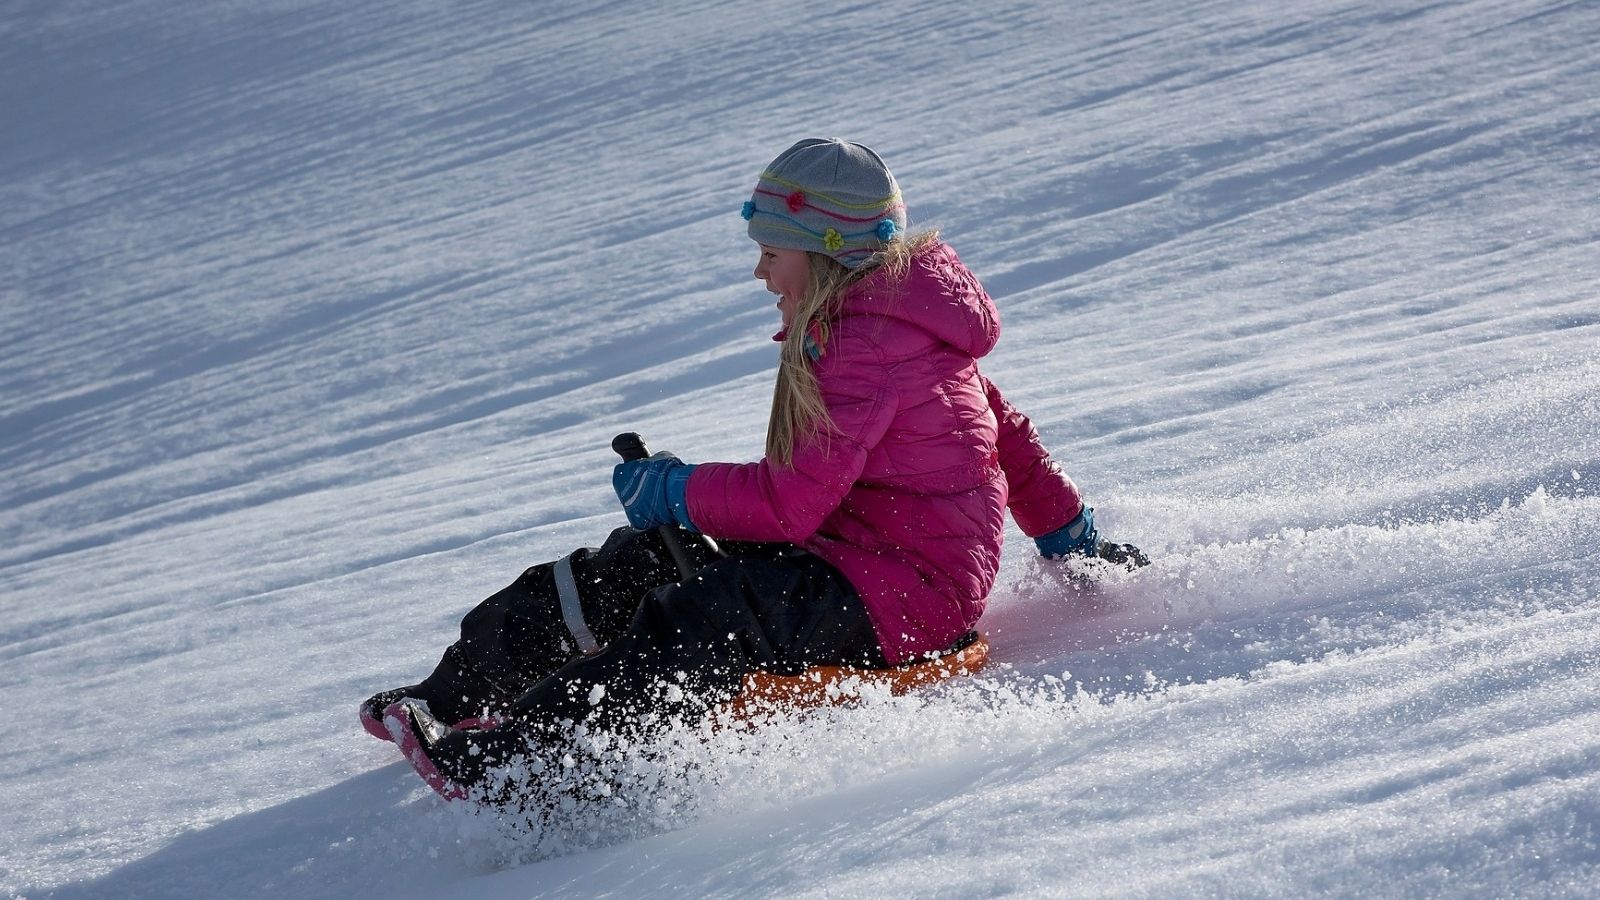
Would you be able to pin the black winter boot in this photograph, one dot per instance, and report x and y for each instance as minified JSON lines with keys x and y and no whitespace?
{"x":454,"y":693}
{"x":462,"y":763}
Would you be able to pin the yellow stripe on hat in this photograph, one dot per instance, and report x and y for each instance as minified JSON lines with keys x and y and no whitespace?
{"x":887,"y":201}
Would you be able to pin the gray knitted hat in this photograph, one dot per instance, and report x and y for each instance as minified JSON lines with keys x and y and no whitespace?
{"x":829,"y":196}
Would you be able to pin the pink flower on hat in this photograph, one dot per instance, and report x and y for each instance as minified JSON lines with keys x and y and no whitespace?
{"x":796,"y":201}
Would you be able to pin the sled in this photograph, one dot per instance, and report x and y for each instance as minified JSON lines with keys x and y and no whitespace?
{"x":764,"y":692}
{"x":762,"y":695}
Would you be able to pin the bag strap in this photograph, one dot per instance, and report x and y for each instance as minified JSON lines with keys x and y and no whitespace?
{"x":571,"y":609}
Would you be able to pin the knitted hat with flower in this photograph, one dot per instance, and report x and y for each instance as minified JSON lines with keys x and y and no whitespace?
{"x":829,"y":196}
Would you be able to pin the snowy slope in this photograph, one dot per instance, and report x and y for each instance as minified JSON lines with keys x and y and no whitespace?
{"x":319,"y":319}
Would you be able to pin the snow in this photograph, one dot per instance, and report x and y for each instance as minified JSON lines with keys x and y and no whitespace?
{"x":320,"y":318}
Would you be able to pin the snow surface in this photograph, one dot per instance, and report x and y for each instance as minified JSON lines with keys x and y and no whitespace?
{"x":318,"y":319}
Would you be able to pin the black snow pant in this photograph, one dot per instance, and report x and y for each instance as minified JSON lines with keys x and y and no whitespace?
{"x":655,"y":648}
{"x":767,"y":607}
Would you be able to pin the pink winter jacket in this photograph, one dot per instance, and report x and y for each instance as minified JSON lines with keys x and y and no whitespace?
{"x":907,"y":496}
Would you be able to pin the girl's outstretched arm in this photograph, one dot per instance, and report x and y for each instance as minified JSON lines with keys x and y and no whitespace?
{"x":1042,"y":497}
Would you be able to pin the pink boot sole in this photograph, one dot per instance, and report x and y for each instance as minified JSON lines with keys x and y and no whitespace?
{"x":375,"y":727}
{"x":395,"y":720}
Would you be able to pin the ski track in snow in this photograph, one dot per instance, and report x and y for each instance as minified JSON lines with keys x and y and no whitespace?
{"x":320,"y":320}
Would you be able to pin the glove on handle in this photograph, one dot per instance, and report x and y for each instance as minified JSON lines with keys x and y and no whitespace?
{"x":630,"y":446}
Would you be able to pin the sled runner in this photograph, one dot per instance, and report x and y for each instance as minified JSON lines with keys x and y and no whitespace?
{"x":823,"y":685}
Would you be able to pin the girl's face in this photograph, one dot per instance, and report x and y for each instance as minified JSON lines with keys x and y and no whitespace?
{"x":786,"y":273}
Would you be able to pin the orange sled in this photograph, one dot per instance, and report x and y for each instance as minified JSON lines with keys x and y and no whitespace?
{"x":820,"y":686}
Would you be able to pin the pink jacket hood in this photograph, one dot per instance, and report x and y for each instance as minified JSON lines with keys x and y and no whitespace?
{"x":938,"y":295}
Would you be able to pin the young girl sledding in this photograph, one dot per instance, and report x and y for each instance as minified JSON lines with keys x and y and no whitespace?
{"x":869,"y":535}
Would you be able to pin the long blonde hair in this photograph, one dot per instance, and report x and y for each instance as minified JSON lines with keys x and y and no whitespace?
{"x":797,"y":407}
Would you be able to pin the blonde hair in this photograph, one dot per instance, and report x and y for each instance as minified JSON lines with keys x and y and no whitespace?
{"x":797,"y":407}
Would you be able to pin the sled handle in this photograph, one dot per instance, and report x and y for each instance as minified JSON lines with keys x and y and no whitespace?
{"x":630,"y":446}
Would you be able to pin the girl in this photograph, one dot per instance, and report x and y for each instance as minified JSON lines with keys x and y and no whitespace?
{"x":869,"y":535}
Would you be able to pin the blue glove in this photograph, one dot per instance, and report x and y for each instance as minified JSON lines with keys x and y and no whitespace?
{"x":652,"y":491}
{"x":1076,"y":538}
{"x":1079,"y":538}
